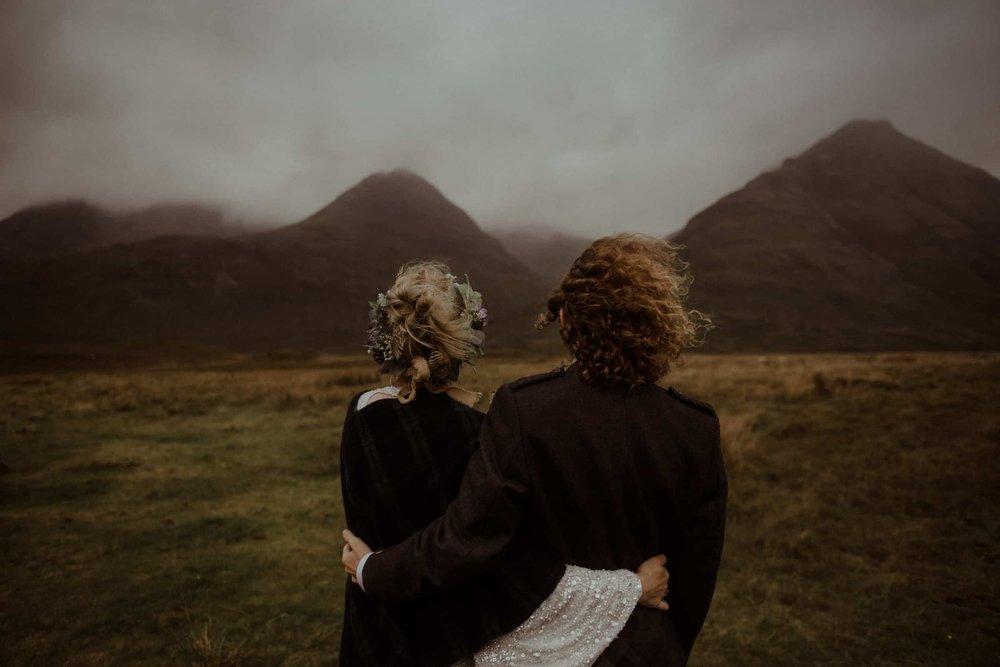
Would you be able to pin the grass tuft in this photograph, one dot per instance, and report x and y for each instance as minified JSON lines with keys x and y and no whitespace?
{"x":210,"y":649}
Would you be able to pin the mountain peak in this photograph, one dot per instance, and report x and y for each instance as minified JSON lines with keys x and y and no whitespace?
{"x":398,"y":185}
{"x":62,"y":207}
{"x":868,"y":127}
{"x":862,"y":143}
{"x":390,"y":203}
{"x":872,"y":155}
{"x":398,"y":177}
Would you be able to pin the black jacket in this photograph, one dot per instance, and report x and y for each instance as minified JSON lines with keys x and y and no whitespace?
{"x":400,"y":467}
{"x":600,"y":476}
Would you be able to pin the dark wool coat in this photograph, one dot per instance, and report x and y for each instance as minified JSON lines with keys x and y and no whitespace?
{"x":600,"y":476}
{"x":400,"y":467}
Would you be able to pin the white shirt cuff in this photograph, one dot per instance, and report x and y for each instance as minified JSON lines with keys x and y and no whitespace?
{"x":361,"y":567}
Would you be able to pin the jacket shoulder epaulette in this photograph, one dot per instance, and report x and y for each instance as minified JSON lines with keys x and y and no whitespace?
{"x":535,"y":379}
{"x":693,"y":402}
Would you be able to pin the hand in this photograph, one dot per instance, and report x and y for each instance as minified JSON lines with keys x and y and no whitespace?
{"x":354,"y":550}
{"x":655,"y":578}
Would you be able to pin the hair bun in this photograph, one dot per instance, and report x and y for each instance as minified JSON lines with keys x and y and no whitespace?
{"x":440,"y":366}
{"x":428,"y":314}
{"x":425,"y":302}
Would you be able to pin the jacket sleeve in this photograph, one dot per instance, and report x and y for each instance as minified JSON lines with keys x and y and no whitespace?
{"x":355,"y":512}
{"x":694,"y":569}
{"x":476,"y":527}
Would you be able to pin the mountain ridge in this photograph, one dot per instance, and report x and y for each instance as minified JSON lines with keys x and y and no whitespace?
{"x":72,"y":226}
{"x":866,"y":240}
{"x":874,"y":240}
{"x":304,"y":285}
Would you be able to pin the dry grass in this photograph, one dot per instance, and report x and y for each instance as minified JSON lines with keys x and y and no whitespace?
{"x":191,"y":515}
{"x":212,"y":650}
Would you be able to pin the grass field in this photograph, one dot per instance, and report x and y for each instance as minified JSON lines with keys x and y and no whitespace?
{"x":191,"y":516}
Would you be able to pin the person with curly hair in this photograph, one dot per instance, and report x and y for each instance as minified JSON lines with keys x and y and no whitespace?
{"x":403,"y":452}
{"x":622,"y":310}
{"x":594,"y":463}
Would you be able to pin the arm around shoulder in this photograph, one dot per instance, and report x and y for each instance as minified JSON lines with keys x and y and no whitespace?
{"x":477,"y":525}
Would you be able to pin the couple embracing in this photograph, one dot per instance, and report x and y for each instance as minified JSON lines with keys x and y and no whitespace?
{"x":536,"y":534}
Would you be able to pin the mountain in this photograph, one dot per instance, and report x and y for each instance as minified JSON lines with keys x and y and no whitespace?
{"x":548,"y":252}
{"x":67,"y":227}
{"x":53,"y":229}
{"x":869,"y":240}
{"x":302,"y":286}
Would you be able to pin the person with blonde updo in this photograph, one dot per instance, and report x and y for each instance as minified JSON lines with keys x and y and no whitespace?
{"x":423,"y":329}
{"x":404,"y":450}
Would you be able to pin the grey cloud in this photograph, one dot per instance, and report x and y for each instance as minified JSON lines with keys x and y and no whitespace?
{"x":593,"y":116}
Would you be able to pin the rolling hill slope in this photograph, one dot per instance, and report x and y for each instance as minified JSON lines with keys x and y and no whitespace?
{"x":67,"y":227}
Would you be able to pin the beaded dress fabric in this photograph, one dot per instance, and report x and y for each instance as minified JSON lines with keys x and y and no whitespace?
{"x":572,"y":627}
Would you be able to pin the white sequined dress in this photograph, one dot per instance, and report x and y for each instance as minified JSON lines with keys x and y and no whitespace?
{"x":572,"y":627}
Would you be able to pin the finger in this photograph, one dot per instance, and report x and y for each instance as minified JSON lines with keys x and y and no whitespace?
{"x":354,"y":579}
{"x":661,"y":558}
{"x":353,"y":541}
{"x":662,"y":605}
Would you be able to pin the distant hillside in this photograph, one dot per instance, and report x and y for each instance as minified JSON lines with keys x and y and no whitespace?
{"x":548,"y":252}
{"x":62,"y":228}
{"x":869,"y":240}
{"x":52,"y":230}
{"x":305,"y":285}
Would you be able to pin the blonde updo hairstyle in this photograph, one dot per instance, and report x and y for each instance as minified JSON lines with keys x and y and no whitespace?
{"x":432,"y":333}
{"x":625,"y":312}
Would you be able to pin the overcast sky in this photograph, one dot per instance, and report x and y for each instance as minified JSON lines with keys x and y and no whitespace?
{"x":593,"y":116}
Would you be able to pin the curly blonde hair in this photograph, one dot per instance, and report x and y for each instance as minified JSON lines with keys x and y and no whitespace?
{"x":623,"y":305}
{"x":432,"y":332}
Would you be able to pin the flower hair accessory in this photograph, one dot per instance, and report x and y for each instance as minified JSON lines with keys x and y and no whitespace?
{"x":472,"y":304}
{"x":387,"y":346}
